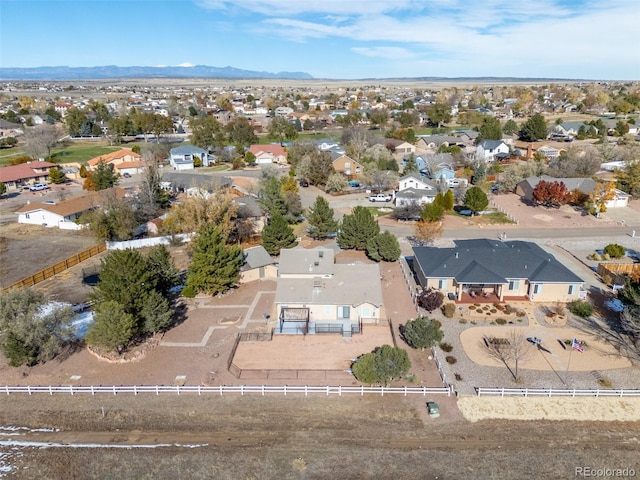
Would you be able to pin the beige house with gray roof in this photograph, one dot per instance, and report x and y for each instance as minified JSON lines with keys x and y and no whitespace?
{"x":316,"y":295}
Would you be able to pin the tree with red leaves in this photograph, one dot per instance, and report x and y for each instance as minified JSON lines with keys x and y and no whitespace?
{"x":551,"y":194}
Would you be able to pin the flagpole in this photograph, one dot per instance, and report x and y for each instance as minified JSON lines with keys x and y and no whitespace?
{"x":568,"y":362}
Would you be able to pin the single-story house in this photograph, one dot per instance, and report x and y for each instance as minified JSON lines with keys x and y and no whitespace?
{"x":183,"y":182}
{"x":15,"y":177}
{"x":123,"y":161}
{"x":405,"y":148}
{"x":257,"y":265}
{"x":492,"y":150}
{"x":250,"y":210}
{"x":583,"y":185}
{"x":64,"y":214}
{"x":271,"y":153}
{"x":496,"y":270}
{"x":183,"y":157}
{"x":415,"y":196}
{"x":346,"y":165}
{"x":316,"y":295}
{"x":10,"y":129}
{"x":433,"y":142}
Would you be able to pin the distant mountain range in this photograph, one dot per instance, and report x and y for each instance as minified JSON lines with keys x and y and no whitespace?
{"x":112,"y":71}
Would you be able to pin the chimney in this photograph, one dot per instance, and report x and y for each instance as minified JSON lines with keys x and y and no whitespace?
{"x":456,"y":254}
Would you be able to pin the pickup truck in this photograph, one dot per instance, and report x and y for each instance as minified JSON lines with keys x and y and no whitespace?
{"x":380,"y":197}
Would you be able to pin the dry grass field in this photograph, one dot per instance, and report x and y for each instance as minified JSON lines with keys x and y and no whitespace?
{"x":234,"y":437}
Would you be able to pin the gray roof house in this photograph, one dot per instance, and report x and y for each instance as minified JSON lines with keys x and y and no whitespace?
{"x":182,"y":157}
{"x":185,"y":182}
{"x":584,"y":185}
{"x":414,"y":189}
{"x":257,"y":265}
{"x":316,"y":295}
{"x":493,"y":270}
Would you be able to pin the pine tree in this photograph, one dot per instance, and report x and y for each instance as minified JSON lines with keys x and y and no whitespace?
{"x":534,"y":129}
{"x":215,"y":266}
{"x":56,"y":176}
{"x":277,"y":234}
{"x":422,"y":332}
{"x":321,"y":220}
{"x":449,"y":201}
{"x":112,"y":329}
{"x":357,"y":229}
{"x":383,"y":246}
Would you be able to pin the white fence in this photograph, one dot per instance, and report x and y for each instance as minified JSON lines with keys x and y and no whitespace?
{"x":146,"y":242}
{"x":502,"y":210}
{"x":553,"y":392}
{"x":227,"y":389}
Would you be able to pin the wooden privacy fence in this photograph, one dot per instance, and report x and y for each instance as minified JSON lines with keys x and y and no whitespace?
{"x":556,"y":392}
{"x":49,"y":272}
{"x":617,"y":273}
{"x":227,"y":389}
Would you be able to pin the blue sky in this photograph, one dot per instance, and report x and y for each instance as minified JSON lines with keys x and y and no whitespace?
{"x":341,"y":39}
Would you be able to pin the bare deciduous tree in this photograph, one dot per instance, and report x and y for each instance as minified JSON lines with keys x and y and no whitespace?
{"x":510,"y":350}
{"x":40,"y":140}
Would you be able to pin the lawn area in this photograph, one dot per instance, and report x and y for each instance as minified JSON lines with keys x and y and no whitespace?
{"x":380,"y":211}
{"x":217,"y":168}
{"x":492,"y":218}
{"x":80,"y":152}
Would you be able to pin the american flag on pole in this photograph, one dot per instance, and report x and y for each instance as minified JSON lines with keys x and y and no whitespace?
{"x":576,"y":345}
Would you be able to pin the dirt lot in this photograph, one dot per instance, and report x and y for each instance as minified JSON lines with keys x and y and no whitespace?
{"x":235,"y":437}
{"x":26,"y":249}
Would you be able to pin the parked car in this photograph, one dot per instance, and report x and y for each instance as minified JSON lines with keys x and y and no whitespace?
{"x":380,"y":197}
{"x":434,"y":409}
{"x":38,"y":187}
{"x":304,"y":183}
{"x":126,"y":175}
{"x":353,"y":183}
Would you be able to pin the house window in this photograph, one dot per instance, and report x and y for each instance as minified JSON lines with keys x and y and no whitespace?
{"x":365,"y":312}
{"x":327,"y":310}
{"x":27,"y":215}
{"x":344,"y":312}
{"x":572,"y":289}
{"x":537,"y":288}
{"x":514,"y":284}
{"x":347,"y":164}
{"x":442,"y":284}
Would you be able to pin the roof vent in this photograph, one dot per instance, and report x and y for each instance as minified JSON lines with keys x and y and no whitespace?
{"x":456,"y":254}
{"x":317,"y":282}
{"x":315,"y":264}
{"x":320,"y":254}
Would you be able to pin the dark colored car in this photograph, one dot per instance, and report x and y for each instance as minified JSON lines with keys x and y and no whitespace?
{"x":304,"y":183}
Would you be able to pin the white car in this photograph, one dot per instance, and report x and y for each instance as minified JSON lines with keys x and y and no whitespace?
{"x":380,"y":197}
{"x":38,"y":187}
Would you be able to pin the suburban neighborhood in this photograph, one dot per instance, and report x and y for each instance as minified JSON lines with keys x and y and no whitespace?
{"x":454,"y":244}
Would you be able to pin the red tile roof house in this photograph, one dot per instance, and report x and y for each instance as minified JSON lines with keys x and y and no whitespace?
{"x":272,"y":153}
{"x":64,"y":214}
{"x":123,"y":161}
{"x":16,"y":176}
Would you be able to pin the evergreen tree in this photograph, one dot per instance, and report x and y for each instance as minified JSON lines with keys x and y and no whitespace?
{"x":56,"y":176}
{"x":3,"y":188}
{"x":383,"y":365}
{"x":321,"y":220}
{"x":32,"y":333}
{"x":159,"y":262}
{"x":156,"y":313}
{"x":411,"y":166}
{"x":383,"y":246}
{"x":103,"y":177}
{"x":277,"y":234}
{"x":510,"y":127}
{"x":489,"y":130}
{"x":475,"y":199}
{"x":534,"y":129}
{"x":215,"y":266}
{"x":432,"y":212}
{"x":112,"y":328}
{"x":422,"y":333}
{"x":357,"y":229}
{"x":272,"y":197}
{"x":448,"y":201}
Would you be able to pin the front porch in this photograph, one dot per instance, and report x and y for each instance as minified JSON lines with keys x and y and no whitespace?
{"x":487,"y":297}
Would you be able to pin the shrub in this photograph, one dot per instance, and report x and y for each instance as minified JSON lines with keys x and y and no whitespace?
{"x":582,"y":308}
{"x":520,"y":314}
{"x":188,"y":292}
{"x":605,"y":382}
{"x":457,"y":376}
{"x":493,"y":310}
{"x":446,"y":347}
{"x":501,"y":321}
{"x":463,"y":321}
{"x":472,"y":307}
{"x":422,"y":332}
{"x":448,"y":310}
{"x":451,"y":359}
{"x":508,"y":309}
{"x":614,"y":250}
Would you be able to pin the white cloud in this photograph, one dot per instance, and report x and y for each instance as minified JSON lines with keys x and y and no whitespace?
{"x":186,"y":64}
{"x":300,"y":7}
{"x":394,"y":53}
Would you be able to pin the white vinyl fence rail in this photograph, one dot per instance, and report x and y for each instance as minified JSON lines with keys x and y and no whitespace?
{"x":225,"y":389}
{"x":556,"y":392}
